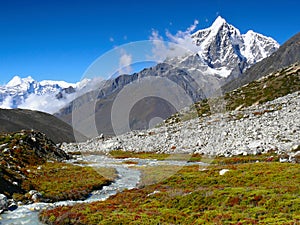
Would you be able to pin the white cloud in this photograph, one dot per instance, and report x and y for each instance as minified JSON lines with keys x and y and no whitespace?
{"x":177,"y":45}
{"x":111,"y":39}
{"x":160,"y":49}
{"x":183,"y":38}
{"x":125,"y":62}
{"x":46,"y":103}
{"x":7,"y":103}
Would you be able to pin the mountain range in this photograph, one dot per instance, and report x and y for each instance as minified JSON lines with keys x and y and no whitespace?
{"x":28,"y":93}
{"x":222,"y":62}
{"x":223,"y":54}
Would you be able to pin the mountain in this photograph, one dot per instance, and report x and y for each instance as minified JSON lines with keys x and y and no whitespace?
{"x":31,"y":94}
{"x":287,"y":54}
{"x":260,"y":117}
{"x":223,"y":52}
{"x":13,"y":120}
{"x":275,"y":85}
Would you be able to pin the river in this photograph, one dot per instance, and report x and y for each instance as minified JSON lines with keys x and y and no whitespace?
{"x":128,"y":178}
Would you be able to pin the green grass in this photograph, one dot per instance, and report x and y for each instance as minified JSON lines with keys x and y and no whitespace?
{"x":63,"y":181}
{"x":250,"y":193}
{"x":30,"y":161}
{"x":120,"y":154}
{"x":274,"y":86}
{"x":278,"y":84}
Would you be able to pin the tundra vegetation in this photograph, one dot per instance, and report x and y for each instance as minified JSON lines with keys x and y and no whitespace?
{"x":255,"y":190}
{"x":30,"y":161}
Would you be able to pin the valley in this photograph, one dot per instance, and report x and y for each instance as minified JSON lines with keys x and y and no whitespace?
{"x":211,"y":136}
{"x":167,"y":174}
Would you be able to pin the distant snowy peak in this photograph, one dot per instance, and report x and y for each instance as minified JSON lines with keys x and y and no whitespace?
{"x":61,"y":84}
{"x":205,"y":37}
{"x":222,"y":47}
{"x":257,"y":46}
{"x":16,"y":81}
{"x":46,"y":95}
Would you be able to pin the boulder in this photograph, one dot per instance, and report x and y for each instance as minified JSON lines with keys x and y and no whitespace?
{"x":3,"y":202}
{"x":12,"y":206}
{"x":223,"y":171}
{"x":35,"y":196}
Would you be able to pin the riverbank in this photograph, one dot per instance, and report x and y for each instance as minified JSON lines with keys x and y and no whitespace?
{"x":32,"y":170}
{"x":239,"y":190}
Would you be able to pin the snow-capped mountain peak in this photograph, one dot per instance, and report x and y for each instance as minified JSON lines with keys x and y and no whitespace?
{"x":218,"y":23}
{"x":46,"y":95}
{"x":224,"y":48}
{"x":257,"y":46}
{"x":16,"y":80}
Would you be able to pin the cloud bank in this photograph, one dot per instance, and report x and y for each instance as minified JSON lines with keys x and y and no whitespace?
{"x":175,"y":45}
{"x":46,"y":103}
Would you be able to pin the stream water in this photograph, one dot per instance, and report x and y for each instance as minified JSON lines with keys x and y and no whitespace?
{"x":128,"y":178}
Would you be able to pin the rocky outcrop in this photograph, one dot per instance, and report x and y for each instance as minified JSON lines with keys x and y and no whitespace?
{"x":19,"y":150}
{"x":3,"y":203}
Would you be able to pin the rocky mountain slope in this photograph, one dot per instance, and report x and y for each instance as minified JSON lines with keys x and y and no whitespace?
{"x":13,"y":120}
{"x":254,"y":129}
{"x":286,"y":55}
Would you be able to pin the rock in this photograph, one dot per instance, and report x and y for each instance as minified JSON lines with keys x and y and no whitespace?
{"x":223,"y":171}
{"x":13,"y":206}
{"x":153,"y":193}
{"x":295,"y":147}
{"x":254,"y":144}
{"x":32,"y":192}
{"x":20,"y":203}
{"x":295,"y":157}
{"x":3,"y":202}
{"x":35,"y":196}
{"x":218,"y":134}
{"x":283,"y":160}
{"x":6,"y":150}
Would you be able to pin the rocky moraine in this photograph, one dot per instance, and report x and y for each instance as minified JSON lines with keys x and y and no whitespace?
{"x":272,"y":126}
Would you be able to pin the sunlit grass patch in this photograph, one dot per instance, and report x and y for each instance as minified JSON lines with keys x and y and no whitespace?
{"x":249,"y":193}
{"x":120,"y":154}
{"x":62,"y":181}
{"x":155,"y":174}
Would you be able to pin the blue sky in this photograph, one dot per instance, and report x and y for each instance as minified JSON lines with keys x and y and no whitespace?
{"x":58,"y":40}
